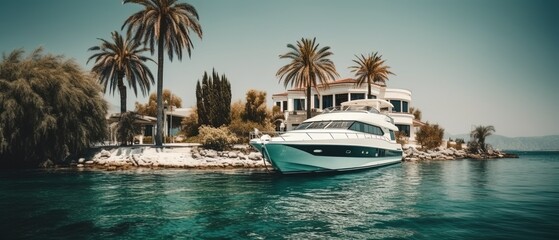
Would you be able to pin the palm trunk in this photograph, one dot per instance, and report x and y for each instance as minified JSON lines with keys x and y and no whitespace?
{"x":160,"y":47}
{"x":308,"y":102}
{"x":122,"y":90}
{"x":369,"y":95}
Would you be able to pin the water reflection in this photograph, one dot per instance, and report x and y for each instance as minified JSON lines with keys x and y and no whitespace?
{"x":439,"y":199}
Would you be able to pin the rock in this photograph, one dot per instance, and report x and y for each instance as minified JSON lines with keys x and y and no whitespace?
{"x":211,"y":154}
{"x":196,"y":156}
{"x":47,"y":164}
{"x":80,"y":165}
{"x":81,"y":160}
{"x":408,"y":152}
{"x":89,"y":162}
{"x":232,"y":155}
{"x":255,"y":156}
{"x":104,"y":153}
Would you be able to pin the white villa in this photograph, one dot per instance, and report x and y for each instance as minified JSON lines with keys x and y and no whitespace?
{"x":292,"y":103}
{"x":172,"y":124}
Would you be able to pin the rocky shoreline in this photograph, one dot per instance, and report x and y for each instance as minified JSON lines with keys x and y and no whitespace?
{"x":412,"y":154}
{"x":194,"y":157}
{"x":170,"y":157}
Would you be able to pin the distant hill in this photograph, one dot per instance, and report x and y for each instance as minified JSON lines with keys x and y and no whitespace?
{"x":517,"y":143}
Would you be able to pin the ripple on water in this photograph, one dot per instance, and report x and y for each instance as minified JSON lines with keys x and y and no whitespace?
{"x":509,"y":198}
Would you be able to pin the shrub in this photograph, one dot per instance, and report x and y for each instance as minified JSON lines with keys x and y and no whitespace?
{"x":216,"y":138}
{"x":190,"y":124}
{"x":473,"y":147}
{"x":459,"y":142}
{"x":126,"y":129}
{"x":255,"y":107}
{"x":430,"y":136}
{"x":243,"y":128}
{"x":401,"y":138}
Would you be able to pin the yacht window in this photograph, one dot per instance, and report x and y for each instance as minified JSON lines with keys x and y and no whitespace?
{"x":340,"y":124}
{"x":366,"y":128}
{"x":392,"y":137}
{"x":318,"y":125}
{"x":302,"y":126}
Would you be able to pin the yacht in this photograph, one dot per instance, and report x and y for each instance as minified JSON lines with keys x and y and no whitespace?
{"x":353,"y":136}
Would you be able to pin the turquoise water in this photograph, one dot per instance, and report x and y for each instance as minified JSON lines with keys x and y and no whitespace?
{"x":461,"y":199}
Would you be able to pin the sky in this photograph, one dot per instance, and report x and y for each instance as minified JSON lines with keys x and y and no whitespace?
{"x":475,"y":62}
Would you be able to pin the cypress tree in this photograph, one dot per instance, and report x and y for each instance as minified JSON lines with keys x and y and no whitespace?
{"x":213,"y":100}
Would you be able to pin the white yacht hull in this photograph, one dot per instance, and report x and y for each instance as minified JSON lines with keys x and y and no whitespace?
{"x":306,"y":157}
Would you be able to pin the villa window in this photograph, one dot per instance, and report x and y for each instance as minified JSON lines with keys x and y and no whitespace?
{"x":397,"y":105}
{"x":405,"y":107}
{"x":284,"y":106}
{"x":404,"y":129}
{"x":327,"y":101}
{"x":278,"y":104}
{"x":340,"y":98}
{"x":316,"y":101}
{"x":357,"y":96}
{"x":148,"y":130}
{"x":298,"y":104}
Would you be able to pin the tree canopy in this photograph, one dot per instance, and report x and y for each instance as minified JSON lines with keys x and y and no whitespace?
{"x":49,"y":109}
{"x":118,"y":59}
{"x":478,"y":136}
{"x":167,"y":24}
{"x":370,"y":69}
{"x":308,"y":67}
{"x":255,"y":107}
{"x":150,"y":108}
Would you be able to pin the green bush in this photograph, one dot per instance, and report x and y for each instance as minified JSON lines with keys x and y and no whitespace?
{"x":216,"y":138}
{"x":190,"y":124}
{"x":127,"y":129}
{"x":430,"y":136}
{"x":242,"y":129}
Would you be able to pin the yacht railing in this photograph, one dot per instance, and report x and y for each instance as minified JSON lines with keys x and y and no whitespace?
{"x":285,"y":136}
{"x":367,"y":109}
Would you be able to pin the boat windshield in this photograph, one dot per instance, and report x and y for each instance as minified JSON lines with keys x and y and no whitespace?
{"x":318,"y":125}
{"x":340,"y":124}
{"x":325,"y":124}
{"x":352,"y":108}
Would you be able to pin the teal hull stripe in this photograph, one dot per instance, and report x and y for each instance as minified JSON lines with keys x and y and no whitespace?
{"x":345,"y":151}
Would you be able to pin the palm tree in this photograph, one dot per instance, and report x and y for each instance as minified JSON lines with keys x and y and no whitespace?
{"x":309,"y":67}
{"x":480,"y":133}
{"x":370,"y":68}
{"x":167,"y":24}
{"x":118,"y":59}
